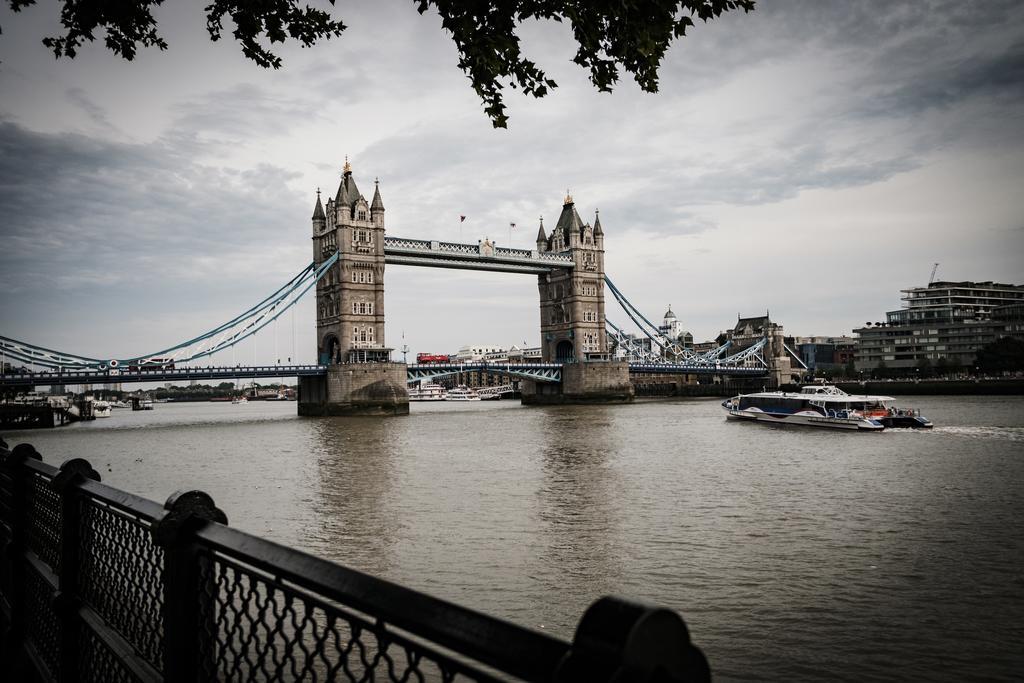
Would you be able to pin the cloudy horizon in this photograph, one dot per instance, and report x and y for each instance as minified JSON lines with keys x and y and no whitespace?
{"x":811,"y":159}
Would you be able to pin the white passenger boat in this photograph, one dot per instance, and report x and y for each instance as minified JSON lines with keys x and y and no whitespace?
{"x":823,"y":406}
{"x":427,"y":392}
{"x":100,"y":409}
{"x":462,"y":393}
{"x":239,"y":399}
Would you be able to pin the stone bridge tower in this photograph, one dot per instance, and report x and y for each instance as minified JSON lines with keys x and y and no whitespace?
{"x":350,"y":298}
{"x":572,"y":301}
{"x":572,"y":325}
{"x":350,"y":310}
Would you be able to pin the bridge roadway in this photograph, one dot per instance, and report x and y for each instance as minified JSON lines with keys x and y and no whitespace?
{"x":165,"y":375}
{"x":539,"y":372}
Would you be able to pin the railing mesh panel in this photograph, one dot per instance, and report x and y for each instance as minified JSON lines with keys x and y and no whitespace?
{"x":41,"y":621}
{"x":265,"y":630}
{"x":43,"y":520}
{"x":121,"y":576}
{"x":97,"y":664}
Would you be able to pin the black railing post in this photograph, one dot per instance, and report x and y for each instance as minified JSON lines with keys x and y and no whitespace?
{"x":12,"y":647}
{"x":187,"y":578}
{"x":66,"y":601}
{"x":618,"y":641}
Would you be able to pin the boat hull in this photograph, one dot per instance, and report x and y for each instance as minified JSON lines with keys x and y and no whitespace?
{"x":906,"y":422}
{"x":805,"y":420}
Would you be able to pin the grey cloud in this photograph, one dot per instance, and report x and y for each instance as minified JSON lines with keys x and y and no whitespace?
{"x":69,"y":201}
{"x":96,"y":113}
{"x":241,"y":113}
{"x":1000,"y":76}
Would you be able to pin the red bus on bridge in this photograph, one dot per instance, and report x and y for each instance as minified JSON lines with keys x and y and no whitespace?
{"x":431,"y":358}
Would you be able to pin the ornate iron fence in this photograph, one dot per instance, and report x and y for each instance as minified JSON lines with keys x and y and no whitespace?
{"x":97,"y":584}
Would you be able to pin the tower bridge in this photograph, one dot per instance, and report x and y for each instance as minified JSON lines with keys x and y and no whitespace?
{"x":354,"y":373}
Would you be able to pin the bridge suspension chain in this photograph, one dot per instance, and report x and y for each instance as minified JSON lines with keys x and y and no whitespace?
{"x":646,"y":326}
{"x":223,"y":336}
{"x":674,"y":352}
{"x":629,"y":344}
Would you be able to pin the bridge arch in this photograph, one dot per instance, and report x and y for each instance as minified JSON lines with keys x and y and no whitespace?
{"x":330,"y":350}
{"x":564,"y":351}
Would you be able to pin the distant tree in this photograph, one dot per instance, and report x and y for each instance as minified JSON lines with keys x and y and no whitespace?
{"x":610,"y":34}
{"x":881,"y":370}
{"x":1003,"y":355}
{"x":924,"y":367}
{"x":850,"y":369}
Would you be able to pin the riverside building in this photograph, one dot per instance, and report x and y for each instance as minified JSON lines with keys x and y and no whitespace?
{"x":945,"y":320}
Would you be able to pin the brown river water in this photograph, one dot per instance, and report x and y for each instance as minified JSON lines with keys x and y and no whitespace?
{"x":792,"y":553}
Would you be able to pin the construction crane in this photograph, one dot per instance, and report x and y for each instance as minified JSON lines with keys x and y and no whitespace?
{"x":935,"y":269}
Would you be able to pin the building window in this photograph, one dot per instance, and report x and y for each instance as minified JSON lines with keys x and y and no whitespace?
{"x":362,"y":308}
{"x":362,"y":215}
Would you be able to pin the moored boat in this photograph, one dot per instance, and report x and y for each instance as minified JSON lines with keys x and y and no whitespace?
{"x":823,"y":406}
{"x":427,"y":392}
{"x":462,"y":393}
{"x":100,"y":409}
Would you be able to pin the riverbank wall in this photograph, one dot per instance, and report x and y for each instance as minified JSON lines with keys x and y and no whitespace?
{"x":982,"y":387}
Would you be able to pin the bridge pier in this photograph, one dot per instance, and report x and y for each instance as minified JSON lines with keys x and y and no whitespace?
{"x":356,"y":389}
{"x":585,"y":382}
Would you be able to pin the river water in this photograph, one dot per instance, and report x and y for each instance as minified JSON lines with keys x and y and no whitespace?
{"x":791,"y":553}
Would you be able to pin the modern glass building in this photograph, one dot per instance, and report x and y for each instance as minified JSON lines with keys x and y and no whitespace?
{"x":949,"y":320}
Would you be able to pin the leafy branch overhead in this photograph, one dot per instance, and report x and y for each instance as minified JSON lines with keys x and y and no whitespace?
{"x":631,"y":35}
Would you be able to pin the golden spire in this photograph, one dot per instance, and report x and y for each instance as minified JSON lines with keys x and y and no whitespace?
{"x":568,"y":198}
{"x":348,"y":167}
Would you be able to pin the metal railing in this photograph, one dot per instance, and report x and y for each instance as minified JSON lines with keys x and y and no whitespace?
{"x":97,"y":584}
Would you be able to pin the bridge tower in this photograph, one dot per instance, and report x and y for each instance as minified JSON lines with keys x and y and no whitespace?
{"x":361,"y":379}
{"x":572,"y":323}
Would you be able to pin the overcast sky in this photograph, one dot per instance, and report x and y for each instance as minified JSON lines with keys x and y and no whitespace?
{"x":811,"y":158}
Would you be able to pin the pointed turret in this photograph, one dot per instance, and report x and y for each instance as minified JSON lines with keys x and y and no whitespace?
{"x":542,"y":238}
{"x":597,"y":223}
{"x":377,"y":206}
{"x":378,"y":203}
{"x":318,"y":212}
{"x":319,"y":217}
